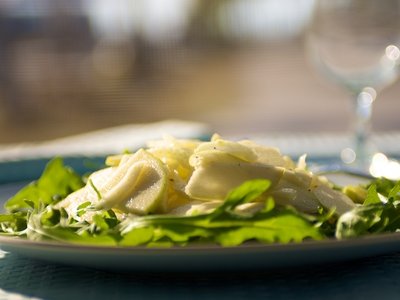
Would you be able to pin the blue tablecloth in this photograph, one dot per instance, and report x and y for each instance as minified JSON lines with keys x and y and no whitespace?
{"x":373,"y":278}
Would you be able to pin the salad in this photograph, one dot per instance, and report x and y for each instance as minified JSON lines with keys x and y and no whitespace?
{"x":176,"y":192}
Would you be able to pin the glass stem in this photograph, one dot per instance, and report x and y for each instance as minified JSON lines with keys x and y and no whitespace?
{"x":362,"y":128}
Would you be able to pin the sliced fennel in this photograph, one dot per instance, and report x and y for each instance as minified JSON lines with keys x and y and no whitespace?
{"x":137,"y":185}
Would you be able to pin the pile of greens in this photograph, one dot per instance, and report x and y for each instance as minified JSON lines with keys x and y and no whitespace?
{"x":31,"y":214}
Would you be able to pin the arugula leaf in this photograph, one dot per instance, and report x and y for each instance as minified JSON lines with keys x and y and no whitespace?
{"x":281,"y":226}
{"x":13,"y":223}
{"x":244,"y":193}
{"x":56,"y":182}
{"x":137,"y":236}
{"x":394,"y":193}
{"x":372,"y":196}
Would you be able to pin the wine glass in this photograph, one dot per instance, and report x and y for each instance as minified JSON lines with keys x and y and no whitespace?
{"x":356,"y":43}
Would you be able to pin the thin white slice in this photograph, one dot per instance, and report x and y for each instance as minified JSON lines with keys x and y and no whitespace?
{"x":215,"y":180}
{"x":268,"y":155}
{"x":141,"y":186}
{"x":233,"y":148}
{"x":333,"y":199}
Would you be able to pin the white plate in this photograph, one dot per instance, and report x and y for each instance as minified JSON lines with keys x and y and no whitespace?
{"x":207,"y":257}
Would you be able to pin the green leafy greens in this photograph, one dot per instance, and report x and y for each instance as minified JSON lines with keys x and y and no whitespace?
{"x":380,"y":212}
{"x":31,"y":213}
{"x":224,"y":225}
{"x":56,"y":182}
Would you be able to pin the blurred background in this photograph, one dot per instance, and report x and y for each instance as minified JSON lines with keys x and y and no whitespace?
{"x":72,"y":66}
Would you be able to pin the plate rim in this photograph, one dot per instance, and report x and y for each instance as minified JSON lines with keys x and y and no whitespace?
{"x":204,"y":258}
{"x":366,"y":240}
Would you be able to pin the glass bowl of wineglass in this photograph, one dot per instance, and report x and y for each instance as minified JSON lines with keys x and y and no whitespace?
{"x":356,"y":43}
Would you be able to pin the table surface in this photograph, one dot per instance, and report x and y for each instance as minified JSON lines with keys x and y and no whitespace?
{"x":25,"y":278}
{"x":368,"y":278}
